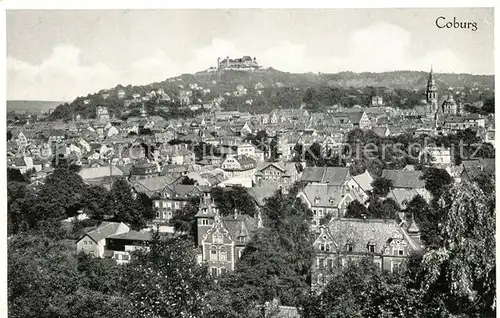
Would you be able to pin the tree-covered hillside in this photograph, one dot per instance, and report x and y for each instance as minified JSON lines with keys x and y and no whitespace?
{"x":265,"y":90}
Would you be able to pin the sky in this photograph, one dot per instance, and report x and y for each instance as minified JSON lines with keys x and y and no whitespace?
{"x":61,"y":54}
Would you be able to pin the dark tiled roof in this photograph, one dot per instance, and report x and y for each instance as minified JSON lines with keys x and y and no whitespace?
{"x":404,"y":179}
{"x":330,"y":175}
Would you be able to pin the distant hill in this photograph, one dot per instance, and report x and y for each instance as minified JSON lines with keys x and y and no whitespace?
{"x":270,"y":88}
{"x":31,"y":106}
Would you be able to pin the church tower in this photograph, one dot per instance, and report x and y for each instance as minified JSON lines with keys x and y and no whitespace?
{"x":431,"y":94}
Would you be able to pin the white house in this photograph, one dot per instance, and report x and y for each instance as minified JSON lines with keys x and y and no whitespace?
{"x":94,"y":242}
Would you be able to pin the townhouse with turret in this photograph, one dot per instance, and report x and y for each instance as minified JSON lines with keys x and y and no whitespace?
{"x":222,"y":239}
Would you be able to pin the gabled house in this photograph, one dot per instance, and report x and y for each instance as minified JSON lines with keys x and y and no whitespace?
{"x":343,"y":241}
{"x":94,"y":241}
{"x":174,"y":197}
{"x":235,"y":166}
{"x":406,"y":185}
{"x":221,"y":240}
{"x":283,"y":173}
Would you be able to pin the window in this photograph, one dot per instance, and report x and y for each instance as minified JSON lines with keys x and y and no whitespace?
{"x":321,"y":263}
{"x":315,"y":212}
{"x":240,"y":252}
{"x":395,"y":267}
{"x":322,"y":247}
{"x":242,"y":239}
{"x":204,"y":222}
{"x":157,"y":214}
{"x":349,"y":247}
{"x":164,"y":204}
{"x":213,"y":254}
{"x":218,"y":238}
{"x":214,"y":271}
{"x":399,"y":252}
{"x":222,"y":255}
{"x":157,"y":204}
{"x":205,"y":210}
{"x":320,"y":279}
{"x":329,"y":263}
{"x":371,"y":248}
{"x":327,"y":247}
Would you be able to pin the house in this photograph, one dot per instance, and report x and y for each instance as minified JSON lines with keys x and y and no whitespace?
{"x":381,"y":131}
{"x":489,"y":136}
{"x":94,"y":241}
{"x":330,"y":175}
{"x":362,"y":184}
{"x":405,"y":186}
{"x":234,"y":166}
{"x":348,"y":240}
{"x":23,"y":164}
{"x":23,"y":139}
{"x":56,"y":136}
{"x":356,"y":117}
{"x":119,"y":246}
{"x":221,"y":240}
{"x":377,"y":101}
{"x":283,"y":173}
{"x":435,"y":155}
{"x":143,"y":170}
{"x":151,"y":186}
{"x":325,"y":199}
{"x":174,"y":197}
{"x":473,"y":168}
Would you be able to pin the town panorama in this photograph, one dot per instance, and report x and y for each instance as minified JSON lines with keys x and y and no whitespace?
{"x":246,"y":191}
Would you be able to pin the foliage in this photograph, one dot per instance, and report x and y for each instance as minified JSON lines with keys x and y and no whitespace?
{"x":188,"y":181}
{"x":381,"y":187}
{"x":463,"y":267}
{"x":234,"y":199}
{"x":47,"y":280}
{"x":183,"y":220}
{"x":15,"y":175}
{"x":436,"y":181}
{"x":125,"y":208}
{"x":355,"y":209}
{"x":166,"y":281}
{"x":361,"y":290}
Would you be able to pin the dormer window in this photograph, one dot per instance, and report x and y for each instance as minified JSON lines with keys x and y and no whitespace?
{"x":349,"y":247}
{"x":218,"y":238}
{"x":242,"y":239}
{"x":371,"y":248}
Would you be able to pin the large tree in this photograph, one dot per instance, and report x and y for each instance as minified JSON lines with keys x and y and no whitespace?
{"x":166,"y":281}
{"x":436,"y":180}
{"x":461,"y":271}
{"x":125,"y":208}
{"x":381,"y":187}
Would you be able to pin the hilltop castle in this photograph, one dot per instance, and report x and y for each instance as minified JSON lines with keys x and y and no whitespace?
{"x":245,"y":63}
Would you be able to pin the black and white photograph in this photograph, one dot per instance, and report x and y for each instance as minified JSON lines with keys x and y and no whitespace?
{"x":218,"y":162}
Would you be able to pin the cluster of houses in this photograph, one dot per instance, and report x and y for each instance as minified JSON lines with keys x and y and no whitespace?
{"x":173,"y":161}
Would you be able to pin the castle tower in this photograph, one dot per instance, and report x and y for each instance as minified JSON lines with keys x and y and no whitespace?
{"x":431,"y":94}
